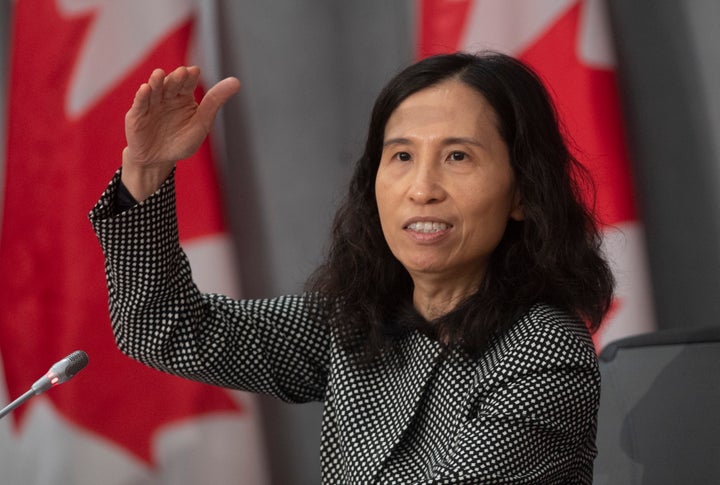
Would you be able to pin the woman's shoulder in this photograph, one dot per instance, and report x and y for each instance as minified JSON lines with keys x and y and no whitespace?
{"x":547,"y":322}
{"x":545,"y":336}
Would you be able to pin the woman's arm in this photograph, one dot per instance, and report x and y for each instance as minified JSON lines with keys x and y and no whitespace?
{"x":158,"y":315}
{"x":160,"y":318}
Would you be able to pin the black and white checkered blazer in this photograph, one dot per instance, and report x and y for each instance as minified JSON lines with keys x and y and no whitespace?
{"x":525,"y":412}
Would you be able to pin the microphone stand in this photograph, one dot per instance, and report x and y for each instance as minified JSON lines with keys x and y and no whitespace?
{"x":7,"y":409}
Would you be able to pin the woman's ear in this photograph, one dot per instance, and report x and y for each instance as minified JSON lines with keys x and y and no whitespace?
{"x":516,"y":212}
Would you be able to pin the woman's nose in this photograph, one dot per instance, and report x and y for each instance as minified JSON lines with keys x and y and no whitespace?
{"x":426,"y":185}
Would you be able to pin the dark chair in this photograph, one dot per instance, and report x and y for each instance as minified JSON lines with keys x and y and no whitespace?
{"x":659,"y":419}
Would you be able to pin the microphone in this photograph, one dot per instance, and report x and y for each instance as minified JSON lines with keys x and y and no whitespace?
{"x":60,"y":372}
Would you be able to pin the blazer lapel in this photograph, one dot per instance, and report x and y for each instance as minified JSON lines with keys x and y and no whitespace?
{"x":389,"y":397}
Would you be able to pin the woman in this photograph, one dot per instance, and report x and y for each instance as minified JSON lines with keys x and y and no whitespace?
{"x":447,"y":331}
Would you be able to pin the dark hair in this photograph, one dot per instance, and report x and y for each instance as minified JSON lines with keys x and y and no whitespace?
{"x":551,"y":256}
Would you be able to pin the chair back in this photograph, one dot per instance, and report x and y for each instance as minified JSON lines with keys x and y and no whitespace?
{"x":659,"y":418}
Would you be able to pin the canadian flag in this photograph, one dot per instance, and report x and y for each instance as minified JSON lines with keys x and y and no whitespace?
{"x":75,"y":65}
{"x":569,"y":43}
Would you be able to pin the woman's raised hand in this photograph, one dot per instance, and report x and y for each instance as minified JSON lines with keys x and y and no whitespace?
{"x":165,"y":124}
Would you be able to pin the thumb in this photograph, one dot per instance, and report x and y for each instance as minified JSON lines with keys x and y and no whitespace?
{"x":216,"y":97}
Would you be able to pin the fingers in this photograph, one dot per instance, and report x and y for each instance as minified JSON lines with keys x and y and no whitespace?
{"x":216,"y":97}
{"x":173,"y":82}
{"x":141,"y":103}
{"x":190,"y":82}
{"x":156,"y":82}
{"x":147,"y":93}
{"x":182,"y":81}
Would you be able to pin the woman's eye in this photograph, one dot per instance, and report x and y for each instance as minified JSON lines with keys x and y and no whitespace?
{"x":457,"y":156}
{"x":403,"y":156}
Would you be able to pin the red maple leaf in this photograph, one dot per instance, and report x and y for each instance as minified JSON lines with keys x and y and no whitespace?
{"x":53,"y":297}
{"x":589,"y":106}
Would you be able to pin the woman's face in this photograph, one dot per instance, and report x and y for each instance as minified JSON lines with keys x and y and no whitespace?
{"x":445,"y":188}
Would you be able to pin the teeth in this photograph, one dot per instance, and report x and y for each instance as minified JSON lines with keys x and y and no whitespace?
{"x":427,"y":227}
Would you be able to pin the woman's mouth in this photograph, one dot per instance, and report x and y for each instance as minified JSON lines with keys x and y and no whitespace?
{"x":427,"y":227}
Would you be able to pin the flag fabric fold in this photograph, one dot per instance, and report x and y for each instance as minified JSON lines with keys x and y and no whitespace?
{"x":75,"y":66}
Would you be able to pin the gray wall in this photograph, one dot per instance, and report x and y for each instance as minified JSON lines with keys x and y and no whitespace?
{"x":310,"y":71}
{"x":669,"y":54}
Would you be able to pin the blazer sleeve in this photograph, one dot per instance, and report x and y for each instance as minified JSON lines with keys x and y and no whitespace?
{"x":160,"y":318}
{"x":536,"y":414}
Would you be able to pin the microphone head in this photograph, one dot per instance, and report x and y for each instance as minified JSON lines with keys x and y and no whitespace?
{"x":61,"y":371}
{"x":76,"y":362}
